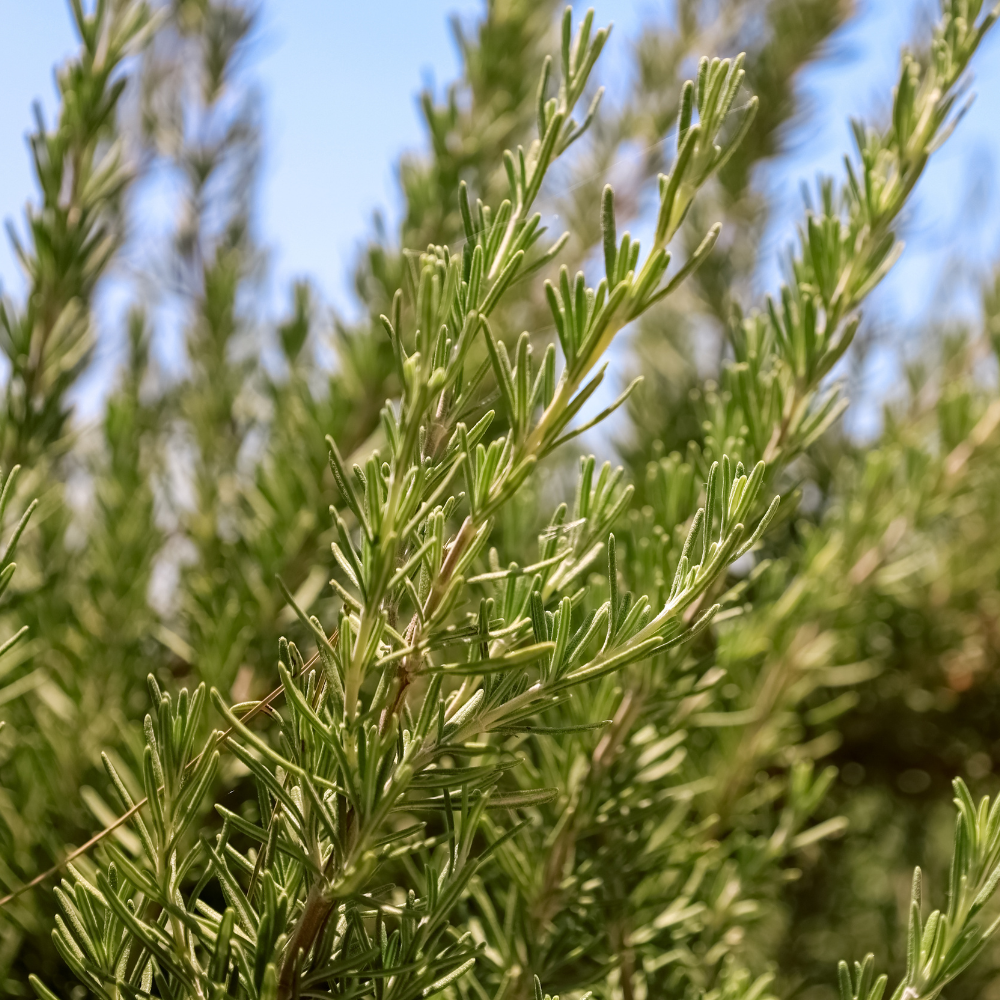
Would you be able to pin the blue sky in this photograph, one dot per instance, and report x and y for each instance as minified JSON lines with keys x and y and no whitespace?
{"x":340,"y":81}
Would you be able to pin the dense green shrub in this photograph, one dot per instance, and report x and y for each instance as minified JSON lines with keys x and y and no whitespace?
{"x":501,"y":769}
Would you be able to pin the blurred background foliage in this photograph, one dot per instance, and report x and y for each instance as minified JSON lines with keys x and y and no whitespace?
{"x":163,"y":525}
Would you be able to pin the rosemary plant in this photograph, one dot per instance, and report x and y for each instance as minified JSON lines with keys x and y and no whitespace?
{"x":500,"y":768}
{"x":389,"y":703}
{"x":596,"y":895}
{"x":73,"y":672}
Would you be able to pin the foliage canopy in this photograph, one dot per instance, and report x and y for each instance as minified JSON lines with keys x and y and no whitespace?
{"x":552,"y":725}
